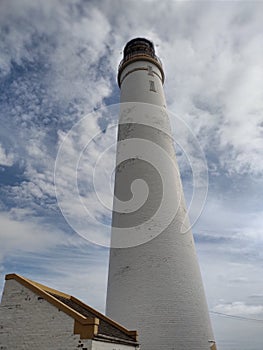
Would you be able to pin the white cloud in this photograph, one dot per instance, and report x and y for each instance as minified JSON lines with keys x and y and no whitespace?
{"x":59,"y":258}
{"x":229,"y":224}
{"x":83,"y":177}
{"x":26,"y":236}
{"x":81,"y":43}
{"x":214,"y":81}
{"x":82,"y":273}
{"x":67,"y":55}
{"x":6,"y":159}
{"x":213,"y":67}
{"x":239,"y":308}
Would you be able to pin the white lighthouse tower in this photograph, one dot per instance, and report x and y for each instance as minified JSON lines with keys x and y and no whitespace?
{"x":154,"y":283}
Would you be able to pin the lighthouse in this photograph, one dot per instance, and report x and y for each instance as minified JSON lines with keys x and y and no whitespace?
{"x":154,"y":281}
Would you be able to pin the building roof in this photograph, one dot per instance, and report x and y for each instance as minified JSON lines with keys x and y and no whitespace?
{"x":89,"y":323}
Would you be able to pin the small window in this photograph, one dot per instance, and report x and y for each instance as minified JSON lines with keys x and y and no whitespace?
{"x":152,"y":86}
{"x":150,"y":70}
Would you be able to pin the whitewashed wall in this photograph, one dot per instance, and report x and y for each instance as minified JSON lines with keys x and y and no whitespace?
{"x":28,"y":322}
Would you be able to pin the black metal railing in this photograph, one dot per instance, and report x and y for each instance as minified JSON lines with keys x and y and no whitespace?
{"x":139,"y":53}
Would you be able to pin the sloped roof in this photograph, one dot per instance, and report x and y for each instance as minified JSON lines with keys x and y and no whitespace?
{"x":89,"y":323}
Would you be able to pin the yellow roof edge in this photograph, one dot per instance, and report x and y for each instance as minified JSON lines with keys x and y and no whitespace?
{"x":44,"y":291}
{"x":41,"y":286}
{"x":49,"y":290}
{"x":131,"y":333}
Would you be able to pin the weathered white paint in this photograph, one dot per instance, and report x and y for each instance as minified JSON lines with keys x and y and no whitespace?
{"x":135,"y":86}
{"x":155,"y":287}
{"x":29,"y":322}
{"x":99,"y":345}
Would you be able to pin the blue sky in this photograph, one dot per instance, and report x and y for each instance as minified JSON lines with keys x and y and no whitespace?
{"x":58,"y":63}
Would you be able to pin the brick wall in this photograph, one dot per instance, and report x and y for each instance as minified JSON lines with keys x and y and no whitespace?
{"x":28,"y":322}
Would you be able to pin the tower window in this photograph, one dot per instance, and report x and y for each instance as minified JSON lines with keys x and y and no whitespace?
{"x":152,"y":86}
{"x":150,"y":70}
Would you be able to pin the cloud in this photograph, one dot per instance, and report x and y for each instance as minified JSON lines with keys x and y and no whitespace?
{"x":44,"y":250}
{"x":58,"y":62}
{"x":71,"y":62}
{"x":74,"y":265}
{"x":25,"y":235}
{"x":83,"y":176}
{"x":239,"y":308}
{"x":213,"y":81}
{"x":6,"y":159}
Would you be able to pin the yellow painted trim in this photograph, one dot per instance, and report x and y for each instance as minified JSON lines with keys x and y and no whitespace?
{"x":86,"y":325}
{"x":87,"y":331}
{"x":52,"y":300}
{"x":49,"y":290}
{"x":133,"y":334}
{"x":39,"y":285}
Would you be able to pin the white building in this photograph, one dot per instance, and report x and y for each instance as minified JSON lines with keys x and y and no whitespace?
{"x":154,"y":282}
{"x":34,"y":316}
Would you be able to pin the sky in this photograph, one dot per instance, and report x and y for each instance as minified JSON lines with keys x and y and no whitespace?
{"x":58,"y":65}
